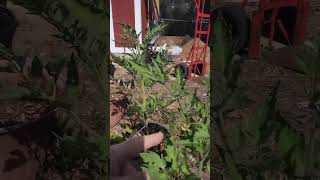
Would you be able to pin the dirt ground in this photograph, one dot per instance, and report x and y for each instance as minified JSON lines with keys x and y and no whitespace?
{"x":31,"y":32}
{"x":25,"y":167}
{"x":33,"y":37}
{"x":262,"y":77}
{"x":279,"y":65}
{"x":314,"y":22}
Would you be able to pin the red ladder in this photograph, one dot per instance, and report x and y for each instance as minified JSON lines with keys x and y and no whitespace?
{"x":197,"y":58}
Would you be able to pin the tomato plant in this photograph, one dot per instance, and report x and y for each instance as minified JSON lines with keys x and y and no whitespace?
{"x":186,"y":152}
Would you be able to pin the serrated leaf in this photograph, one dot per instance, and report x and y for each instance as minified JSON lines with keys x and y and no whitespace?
{"x":155,"y":174}
{"x":192,"y":99}
{"x":172,"y":156}
{"x":202,"y":132}
{"x":153,"y":159}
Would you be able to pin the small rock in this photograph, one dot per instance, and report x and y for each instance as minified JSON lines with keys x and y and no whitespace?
{"x":175,"y":50}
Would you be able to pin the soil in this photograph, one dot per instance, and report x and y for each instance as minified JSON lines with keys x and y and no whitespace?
{"x":279,"y":65}
{"x":16,"y":167}
{"x":314,"y":23}
{"x":17,"y":160}
{"x":16,"y":113}
{"x":262,"y":77}
{"x":25,"y":149}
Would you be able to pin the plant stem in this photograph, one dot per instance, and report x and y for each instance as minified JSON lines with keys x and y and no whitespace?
{"x":204,"y":158}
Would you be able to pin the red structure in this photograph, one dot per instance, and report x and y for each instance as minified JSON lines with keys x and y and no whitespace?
{"x":272,"y":18}
{"x":131,"y":12}
{"x":283,"y":21}
{"x":197,"y":58}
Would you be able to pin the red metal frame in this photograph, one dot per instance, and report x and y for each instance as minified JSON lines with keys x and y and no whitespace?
{"x":198,"y":53}
{"x":257,"y":21}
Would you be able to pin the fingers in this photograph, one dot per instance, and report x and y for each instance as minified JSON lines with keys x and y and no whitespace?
{"x":152,"y":140}
{"x":128,"y":169}
{"x":121,"y":167}
{"x":137,"y":176}
{"x":130,"y":149}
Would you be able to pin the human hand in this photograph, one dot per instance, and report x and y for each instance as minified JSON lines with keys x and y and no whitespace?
{"x":121,"y":154}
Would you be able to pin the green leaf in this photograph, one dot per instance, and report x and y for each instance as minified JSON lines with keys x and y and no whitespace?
{"x":155,"y":174}
{"x":264,"y":115}
{"x":153,"y":159}
{"x":192,"y":99}
{"x":116,"y":137}
{"x":184,"y":142}
{"x":202,"y":132}
{"x":172,"y":156}
{"x":128,"y":130}
{"x":152,"y":32}
{"x":223,"y":50}
{"x":185,"y":168}
{"x":288,"y":139}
